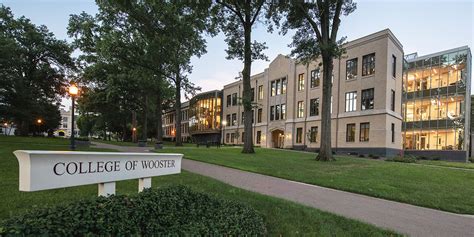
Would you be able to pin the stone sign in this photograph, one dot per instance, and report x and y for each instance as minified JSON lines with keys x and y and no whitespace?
{"x":41,"y":170}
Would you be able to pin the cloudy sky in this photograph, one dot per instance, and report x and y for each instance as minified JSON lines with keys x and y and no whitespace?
{"x":421,"y":26}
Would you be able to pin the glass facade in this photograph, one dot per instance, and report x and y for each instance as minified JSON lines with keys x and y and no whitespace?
{"x":205,"y":112}
{"x":436,"y":91}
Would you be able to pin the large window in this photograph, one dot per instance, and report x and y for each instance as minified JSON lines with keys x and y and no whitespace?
{"x":278,"y":87}
{"x":394,"y":66}
{"x":350,"y":132}
{"x":313,"y":134}
{"x":364,"y":132}
{"x":259,"y":115}
{"x":234,"y":120}
{"x":272,"y":113}
{"x":229,"y":100}
{"x":314,"y":107}
{"x":260,"y":92}
{"x":229,"y":122}
{"x":351,"y":69}
{"x":277,"y":112}
{"x":392,"y":101}
{"x":283,"y":86}
{"x":351,"y":101}
{"x":299,"y":135}
{"x":252,"y":93}
{"x":234,"y":99}
{"x":368,"y":64}
{"x":242,"y":119}
{"x":301,"y":82}
{"x":315,"y":78}
{"x":367,"y":99}
{"x":283,"y":111}
{"x":259,"y":137}
{"x":300,"y":112}
{"x":273,"y":90}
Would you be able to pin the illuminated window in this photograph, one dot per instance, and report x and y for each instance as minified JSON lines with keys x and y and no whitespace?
{"x":301,"y":82}
{"x":283,"y":111}
{"x":273,"y":90}
{"x":350,"y":132}
{"x":351,"y":101}
{"x":283,"y":86}
{"x":260,"y":92}
{"x":364,"y":132}
{"x":300,"y":109}
{"x":259,"y":115}
{"x":315,"y":78}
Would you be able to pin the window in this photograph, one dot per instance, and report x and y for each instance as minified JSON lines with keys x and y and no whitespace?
{"x":331,"y":104}
{"x":393,"y":132}
{"x":315,"y":78}
{"x":364,"y":132}
{"x":351,"y":69}
{"x":392,"y":101}
{"x":227,"y":136}
{"x":234,"y":119}
{"x":243,"y":136}
{"x":283,"y":86}
{"x":283,"y":111}
{"x":234,"y":99}
{"x":368,"y":64}
{"x":277,"y":112}
{"x":259,"y":115}
{"x":260,"y":92}
{"x":299,"y":135}
{"x":232,"y":137}
{"x":273,"y":88}
{"x":367,"y":99}
{"x":313,"y":134}
{"x":259,"y":137}
{"x":278,"y":87}
{"x":252,"y":93}
{"x":300,"y":113}
{"x":272,"y":113}
{"x":229,"y":100}
{"x":350,"y":132}
{"x":314,"y":107}
{"x":394,"y":66}
{"x":229,"y":122}
{"x":242,"y":120}
{"x":301,"y":82}
{"x":351,"y":101}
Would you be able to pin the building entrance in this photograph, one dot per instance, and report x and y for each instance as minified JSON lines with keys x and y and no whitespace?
{"x":278,"y":139}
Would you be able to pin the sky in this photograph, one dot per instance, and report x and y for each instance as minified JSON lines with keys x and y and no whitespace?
{"x":422,"y":26}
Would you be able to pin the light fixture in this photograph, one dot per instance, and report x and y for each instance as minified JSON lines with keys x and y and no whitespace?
{"x":73,"y":90}
{"x":39,"y":121}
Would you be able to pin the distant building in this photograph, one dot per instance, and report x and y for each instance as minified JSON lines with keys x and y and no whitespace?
{"x":169,"y":124}
{"x":65,"y":126}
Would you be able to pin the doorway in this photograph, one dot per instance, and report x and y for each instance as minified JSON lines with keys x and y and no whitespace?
{"x":278,"y":139}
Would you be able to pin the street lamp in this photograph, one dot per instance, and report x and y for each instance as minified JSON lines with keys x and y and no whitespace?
{"x":134,"y":134}
{"x":73,"y":91}
{"x":224,"y":123}
{"x":39,"y":122}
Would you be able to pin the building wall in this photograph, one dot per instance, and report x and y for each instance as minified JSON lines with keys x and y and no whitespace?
{"x":169,"y":123}
{"x":285,"y":133}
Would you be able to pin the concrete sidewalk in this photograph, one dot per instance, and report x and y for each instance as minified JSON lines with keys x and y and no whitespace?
{"x":400,"y":217}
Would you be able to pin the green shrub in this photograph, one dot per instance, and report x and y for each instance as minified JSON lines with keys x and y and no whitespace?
{"x":404,"y":159}
{"x":170,"y":211}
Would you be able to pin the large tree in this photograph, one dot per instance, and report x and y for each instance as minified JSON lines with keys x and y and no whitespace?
{"x":33,"y":69}
{"x":237,"y":19}
{"x":317,"y":24}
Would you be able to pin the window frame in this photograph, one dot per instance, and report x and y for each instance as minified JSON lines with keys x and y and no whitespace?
{"x":313,"y":134}
{"x":300,"y":109}
{"x":350,"y":137}
{"x":350,"y":102}
{"x":315,"y":78}
{"x":368,"y":95}
{"x":368,"y":64}
{"x":314,"y":107}
{"x":301,"y":82}
{"x":364,"y":132}
{"x":299,"y":135}
{"x":351,"y":65}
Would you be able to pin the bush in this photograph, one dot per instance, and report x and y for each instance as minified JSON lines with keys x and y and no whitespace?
{"x":403,"y":159}
{"x":176,"y":211}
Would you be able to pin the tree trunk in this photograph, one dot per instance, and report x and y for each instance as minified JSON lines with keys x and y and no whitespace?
{"x":159,"y":114}
{"x":246,"y":100}
{"x":325,"y":152}
{"x":145,"y":120}
{"x":177,"y":107}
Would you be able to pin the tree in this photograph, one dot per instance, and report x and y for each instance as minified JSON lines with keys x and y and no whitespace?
{"x":237,"y":19}
{"x":316,"y":24}
{"x":33,"y":69}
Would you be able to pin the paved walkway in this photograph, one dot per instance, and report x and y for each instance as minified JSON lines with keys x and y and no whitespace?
{"x":400,"y":217}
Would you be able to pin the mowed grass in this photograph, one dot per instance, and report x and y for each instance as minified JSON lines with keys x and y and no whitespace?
{"x":430,"y":186}
{"x":281,"y":217}
{"x":149,"y":143}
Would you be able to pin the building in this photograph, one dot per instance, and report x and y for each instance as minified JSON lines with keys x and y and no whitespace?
{"x":169,"y":124}
{"x":366,"y":101}
{"x":65,"y":127}
{"x":436,"y":104}
{"x":382,"y":103}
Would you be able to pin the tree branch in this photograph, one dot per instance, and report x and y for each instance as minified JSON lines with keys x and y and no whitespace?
{"x":311,"y":22}
{"x":257,"y":13}
{"x":236,"y":12}
{"x":336,"y":21}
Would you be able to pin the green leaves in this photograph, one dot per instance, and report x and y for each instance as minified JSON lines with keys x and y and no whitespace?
{"x":170,"y":211}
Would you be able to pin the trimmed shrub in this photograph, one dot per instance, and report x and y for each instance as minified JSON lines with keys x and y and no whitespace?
{"x":173,"y":211}
{"x":403,"y":159}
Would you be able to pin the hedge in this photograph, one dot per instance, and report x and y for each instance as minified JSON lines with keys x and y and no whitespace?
{"x":174,"y":211}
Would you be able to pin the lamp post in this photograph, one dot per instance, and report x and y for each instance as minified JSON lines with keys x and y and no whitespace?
{"x":73,"y":91}
{"x":134,"y":134}
{"x":224,"y":123}
{"x":39,"y":122}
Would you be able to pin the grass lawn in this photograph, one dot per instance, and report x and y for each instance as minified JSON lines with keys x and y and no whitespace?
{"x":447,"y":164}
{"x":281,"y":217}
{"x":149,"y":143}
{"x":430,"y":186}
